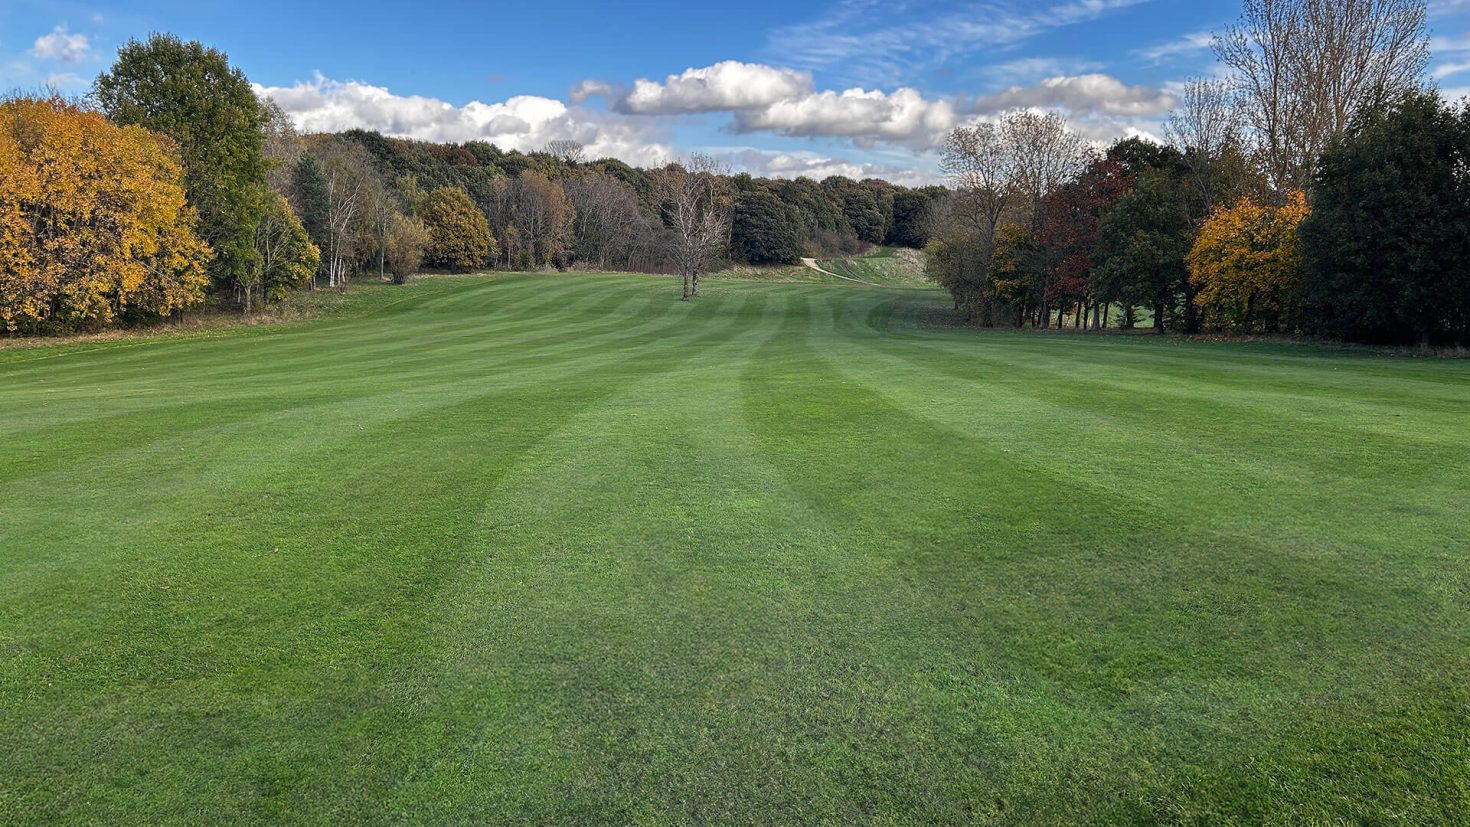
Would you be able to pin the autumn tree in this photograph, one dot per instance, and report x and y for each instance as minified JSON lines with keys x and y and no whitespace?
{"x":1066,"y":232}
{"x":407,"y":239}
{"x":281,"y":145}
{"x":191,"y":94}
{"x":543,"y":215}
{"x":459,"y":237}
{"x":94,"y":224}
{"x":1245,"y":266}
{"x":1000,"y":171}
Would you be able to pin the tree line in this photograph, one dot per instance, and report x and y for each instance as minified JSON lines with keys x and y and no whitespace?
{"x":1319,"y":188}
{"x":173,"y":186}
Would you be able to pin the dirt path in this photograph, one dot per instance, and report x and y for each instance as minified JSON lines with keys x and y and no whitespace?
{"x":812,"y":263}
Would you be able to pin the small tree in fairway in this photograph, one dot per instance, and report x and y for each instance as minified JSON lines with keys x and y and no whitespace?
{"x":695,"y":208}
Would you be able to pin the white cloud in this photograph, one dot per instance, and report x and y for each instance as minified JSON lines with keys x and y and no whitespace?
{"x":1081,"y":96}
{"x":1188,"y":44}
{"x":1444,"y":70}
{"x":60,"y":44}
{"x":523,"y":122}
{"x":727,"y":85}
{"x":904,"y":117}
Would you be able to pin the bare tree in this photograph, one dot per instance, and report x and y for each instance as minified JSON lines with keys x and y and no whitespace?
{"x":1008,"y":165}
{"x":1205,"y":126}
{"x":981,"y":167}
{"x":1000,"y":172}
{"x":696,"y":208}
{"x":380,"y":204}
{"x":1306,"y":66}
{"x":566,"y":150}
{"x":1047,"y":153}
{"x":348,"y":170}
{"x":609,"y":220}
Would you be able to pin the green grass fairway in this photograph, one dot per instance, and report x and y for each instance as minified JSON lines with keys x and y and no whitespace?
{"x":563,"y":549}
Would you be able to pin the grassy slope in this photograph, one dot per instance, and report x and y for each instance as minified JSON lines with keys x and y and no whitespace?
{"x":561,"y":549}
{"x":886,"y":265}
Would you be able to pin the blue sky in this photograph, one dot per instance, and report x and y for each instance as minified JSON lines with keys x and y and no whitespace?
{"x":848,"y":86}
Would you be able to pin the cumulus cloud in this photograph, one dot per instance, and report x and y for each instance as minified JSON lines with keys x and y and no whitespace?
{"x":727,"y":85}
{"x":777,"y":99}
{"x":904,"y":117}
{"x":523,"y":122}
{"x":60,"y":44}
{"x":1081,"y":95}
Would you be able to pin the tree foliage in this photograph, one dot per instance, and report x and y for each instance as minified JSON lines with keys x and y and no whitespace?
{"x":1386,"y":246}
{"x":459,"y":236}
{"x":407,"y":239}
{"x":285,"y":256}
{"x":1245,"y":266}
{"x":1141,"y":243}
{"x":94,"y":226}
{"x":764,"y":230}
{"x":191,"y":94}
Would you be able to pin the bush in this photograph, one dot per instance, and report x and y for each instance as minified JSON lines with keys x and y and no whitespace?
{"x":407,"y":238}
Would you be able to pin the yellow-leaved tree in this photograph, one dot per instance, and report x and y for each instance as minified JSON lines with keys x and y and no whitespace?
{"x":93,"y":224}
{"x":1246,"y":266}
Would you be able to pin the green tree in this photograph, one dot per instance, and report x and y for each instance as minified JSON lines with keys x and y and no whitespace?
{"x":764,"y":230}
{"x":1142,"y":240}
{"x":459,"y":236}
{"x":286,"y":258}
{"x":1384,"y":251}
{"x":911,"y":216}
{"x":191,"y":94}
{"x":310,"y":199}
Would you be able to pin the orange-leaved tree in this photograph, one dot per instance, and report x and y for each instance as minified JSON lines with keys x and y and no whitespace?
{"x":1246,"y":266}
{"x":93,"y":224}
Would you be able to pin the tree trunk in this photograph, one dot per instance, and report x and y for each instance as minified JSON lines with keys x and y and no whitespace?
{"x":686,"y":287}
{"x":1045,"y":316}
{"x":695,"y":288}
{"x":1107,"y":310}
{"x":1159,"y":317}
